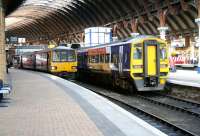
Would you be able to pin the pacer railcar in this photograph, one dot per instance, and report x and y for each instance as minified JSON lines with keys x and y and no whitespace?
{"x":61,"y":61}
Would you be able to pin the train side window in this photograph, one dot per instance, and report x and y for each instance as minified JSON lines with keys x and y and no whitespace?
{"x":102,"y":56}
{"x":96,"y":59}
{"x":93,"y":59}
{"x":137,"y":52}
{"x":115,"y":58}
{"x":45,"y":56}
{"x":89,"y":59}
{"x":107,"y":58}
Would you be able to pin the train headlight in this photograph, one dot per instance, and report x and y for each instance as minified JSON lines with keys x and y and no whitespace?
{"x":74,"y":67}
{"x":138,"y":66}
{"x":53,"y":67}
{"x":163,"y":65}
{"x":162,"y":81}
{"x":163,"y":73}
{"x":138,"y":74}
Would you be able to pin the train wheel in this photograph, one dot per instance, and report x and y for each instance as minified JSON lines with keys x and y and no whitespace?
{"x":113,"y":84}
{"x":130,"y":88}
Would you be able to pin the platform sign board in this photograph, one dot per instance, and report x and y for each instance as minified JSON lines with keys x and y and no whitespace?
{"x":21,"y":40}
{"x":13,"y":40}
{"x":97,"y":35}
{"x":24,"y":49}
{"x":178,"y":43}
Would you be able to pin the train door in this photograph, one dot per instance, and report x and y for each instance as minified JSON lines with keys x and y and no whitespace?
{"x":120,"y":66}
{"x":151,"y":63}
{"x":126,"y":57}
{"x":117,"y":58}
{"x":48,"y":61}
{"x":34,"y":61}
{"x":151,"y":66}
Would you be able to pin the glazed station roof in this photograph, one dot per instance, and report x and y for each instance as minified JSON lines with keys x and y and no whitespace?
{"x":46,"y":19}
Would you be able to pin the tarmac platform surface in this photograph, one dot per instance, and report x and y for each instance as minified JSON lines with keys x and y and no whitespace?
{"x":45,"y":105}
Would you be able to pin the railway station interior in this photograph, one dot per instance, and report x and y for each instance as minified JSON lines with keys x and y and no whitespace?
{"x":99,"y":67}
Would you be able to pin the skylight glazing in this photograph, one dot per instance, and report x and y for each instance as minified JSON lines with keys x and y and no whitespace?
{"x":36,"y":9}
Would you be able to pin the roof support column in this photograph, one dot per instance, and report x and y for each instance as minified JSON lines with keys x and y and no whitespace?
{"x":163,"y":28}
{"x":198,"y":23}
{"x":115,"y":29}
{"x":2,"y":45}
{"x":134,"y":27}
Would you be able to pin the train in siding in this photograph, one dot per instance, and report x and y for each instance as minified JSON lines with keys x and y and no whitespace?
{"x":61,"y":61}
{"x":139,"y":63}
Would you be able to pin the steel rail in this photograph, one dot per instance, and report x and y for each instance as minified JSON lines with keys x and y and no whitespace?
{"x":175,"y":106}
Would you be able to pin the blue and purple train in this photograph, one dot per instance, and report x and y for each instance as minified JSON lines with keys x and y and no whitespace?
{"x":139,"y":63}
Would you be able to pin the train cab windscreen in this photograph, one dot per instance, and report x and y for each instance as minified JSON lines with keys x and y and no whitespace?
{"x":64,"y":56}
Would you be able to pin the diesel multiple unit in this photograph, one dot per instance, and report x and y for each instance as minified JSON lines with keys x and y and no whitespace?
{"x":60,"y":61}
{"x":140,"y":63}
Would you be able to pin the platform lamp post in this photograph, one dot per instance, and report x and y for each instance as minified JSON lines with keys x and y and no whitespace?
{"x":198,"y":43}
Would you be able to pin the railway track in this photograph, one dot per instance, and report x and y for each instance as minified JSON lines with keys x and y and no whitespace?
{"x":170,"y":119}
{"x":174,"y":103}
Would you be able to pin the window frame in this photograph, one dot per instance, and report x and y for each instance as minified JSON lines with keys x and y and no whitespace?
{"x":135,"y":47}
{"x":67,"y":55}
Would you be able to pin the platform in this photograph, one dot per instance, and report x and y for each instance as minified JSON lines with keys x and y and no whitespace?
{"x":185,"y":77}
{"x":45,"y":105}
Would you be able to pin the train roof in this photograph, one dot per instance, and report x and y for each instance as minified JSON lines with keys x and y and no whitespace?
{"x":52,"y":49}
{"x":120,"y":42}
{"x":27,"y":53}
{"x":62,"y":48}
{"x":56,"y":48}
